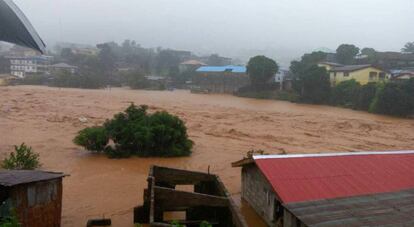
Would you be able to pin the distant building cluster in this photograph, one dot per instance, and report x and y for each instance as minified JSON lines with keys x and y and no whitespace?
{"x":25,"y":62}
{"x":380,"y":67}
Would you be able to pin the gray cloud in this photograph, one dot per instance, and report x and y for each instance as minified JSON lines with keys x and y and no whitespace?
{"x":282,"y":27}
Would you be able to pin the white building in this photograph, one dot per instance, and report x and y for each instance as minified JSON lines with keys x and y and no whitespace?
{"x":23,"y":66}
{"x":280,"y":76}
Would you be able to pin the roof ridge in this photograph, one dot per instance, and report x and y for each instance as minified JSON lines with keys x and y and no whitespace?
{"x":255,"y":157}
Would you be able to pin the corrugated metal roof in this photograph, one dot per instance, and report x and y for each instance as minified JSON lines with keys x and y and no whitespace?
{"x":385,"y":209}
{"x":315,"y":177}
{"x":349,"y":68}
{"x":230,"y":68}
{"x":9,"y":178}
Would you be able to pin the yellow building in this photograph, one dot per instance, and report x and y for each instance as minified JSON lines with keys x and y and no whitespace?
{"x":361,"y":73}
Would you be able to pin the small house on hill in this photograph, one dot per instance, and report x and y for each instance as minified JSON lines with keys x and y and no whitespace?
{"x":64,"y":67}
{"x":339,"y":189}
{"x":36,"y":197}
{"x":221,"y":79}
{"x":361,"y":73}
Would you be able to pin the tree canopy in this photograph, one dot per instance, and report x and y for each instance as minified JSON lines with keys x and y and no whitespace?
{"x":408,"y":47}
{"x":261,"y":69}
{"x":346,"y":52}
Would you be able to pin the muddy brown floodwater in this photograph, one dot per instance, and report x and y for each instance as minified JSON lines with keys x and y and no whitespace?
{"x":223,"y":128}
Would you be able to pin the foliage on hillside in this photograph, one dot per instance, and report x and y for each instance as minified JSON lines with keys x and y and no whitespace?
{"x":23,"y":158}
{"x":136,"y":132}
{"x":260,"y":70}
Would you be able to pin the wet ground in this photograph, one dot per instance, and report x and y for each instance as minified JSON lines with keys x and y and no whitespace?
{"x":223,"y":128}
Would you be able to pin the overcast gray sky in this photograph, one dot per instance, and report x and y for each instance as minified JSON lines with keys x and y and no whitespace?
{"x":227,"y":26}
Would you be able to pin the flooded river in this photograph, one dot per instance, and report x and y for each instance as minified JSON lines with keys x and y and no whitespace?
{"x":223,"y":128}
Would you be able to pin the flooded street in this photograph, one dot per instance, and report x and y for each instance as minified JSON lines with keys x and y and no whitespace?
{"x":223,"y":128}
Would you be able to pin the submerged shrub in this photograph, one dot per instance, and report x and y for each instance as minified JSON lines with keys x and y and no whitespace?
{"x":135,"y":132}
{"x":365,"y":96}
{"x":345,"y":93}
{"x":10,"y":221}
{"x":393,"y":99}
{"x":92,"y":139}
{"x":22,"y":159}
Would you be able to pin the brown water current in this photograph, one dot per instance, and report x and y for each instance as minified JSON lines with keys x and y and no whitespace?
{"x":223,"y":128}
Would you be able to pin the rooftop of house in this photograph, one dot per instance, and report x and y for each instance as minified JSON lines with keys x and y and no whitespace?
{"x":10,"y":178}
{"x":331,"y":64}
{"x":311,"y":177}
{"x":192,"y":62}
{"x":228,"y":68}
{"x":384,"y":209}
{"x":350,"y":68}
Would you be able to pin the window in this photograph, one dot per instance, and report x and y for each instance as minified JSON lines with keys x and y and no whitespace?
{"x":278,"y":210}
{"x":373,"y":76}
{"x":382,"y":76}
{"x":346,"y":74}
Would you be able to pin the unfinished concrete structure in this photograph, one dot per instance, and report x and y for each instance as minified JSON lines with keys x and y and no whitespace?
{"x":339,"y":189}
{"x":208,"y":201}
{"x":220,"y":79}
{"x":36,"y":196}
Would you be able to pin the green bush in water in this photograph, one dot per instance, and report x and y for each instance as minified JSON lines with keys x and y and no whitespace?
{"x":135,"y":132}
{"x":92,"y":139}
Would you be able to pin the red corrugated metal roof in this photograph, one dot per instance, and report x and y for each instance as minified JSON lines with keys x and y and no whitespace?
{"x":314,"y":177}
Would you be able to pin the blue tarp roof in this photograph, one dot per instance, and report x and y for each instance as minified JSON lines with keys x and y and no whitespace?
{"x":229,"y":68}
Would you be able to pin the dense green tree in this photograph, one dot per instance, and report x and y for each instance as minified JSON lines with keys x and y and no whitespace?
{"x":136,"y":132}
{"x":92,"y":139}
{"x":393,"y":99}
{"x":260,"y":70}
{"x":23,"y":158}
{"x":345,"y":93}
{"x":315,"y":85}
{"x":346,"y":53}
{"x":408,"y":48}
{"x":366,"y":95}
{"x":370,"y":52}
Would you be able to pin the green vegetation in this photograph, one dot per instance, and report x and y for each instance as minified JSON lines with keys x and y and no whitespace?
{"x":346,"y":53}
{"x":366,"y":95}
{"x":22,"y":159}
{"x":260,"y":70}
{"x":408,"y":48}
{"x":345,"y":93}
{"x":11,"y":221}
{"x":136,"y":132}
{"x":394,"y":99}
{"x":313,"y":86}
{"x":92,"y":139}
{"x":391,"y":98}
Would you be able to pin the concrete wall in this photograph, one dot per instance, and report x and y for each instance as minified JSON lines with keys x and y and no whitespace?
{"x":221,"y":82}
{"x":258,"y":193}
{"x":289,"y":220}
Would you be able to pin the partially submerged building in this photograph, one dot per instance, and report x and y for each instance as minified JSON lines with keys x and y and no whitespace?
{"x":35,"y":196}
{"x":220,"y":79}
{"x":340,"y":189}
{"x":207,"y":199}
